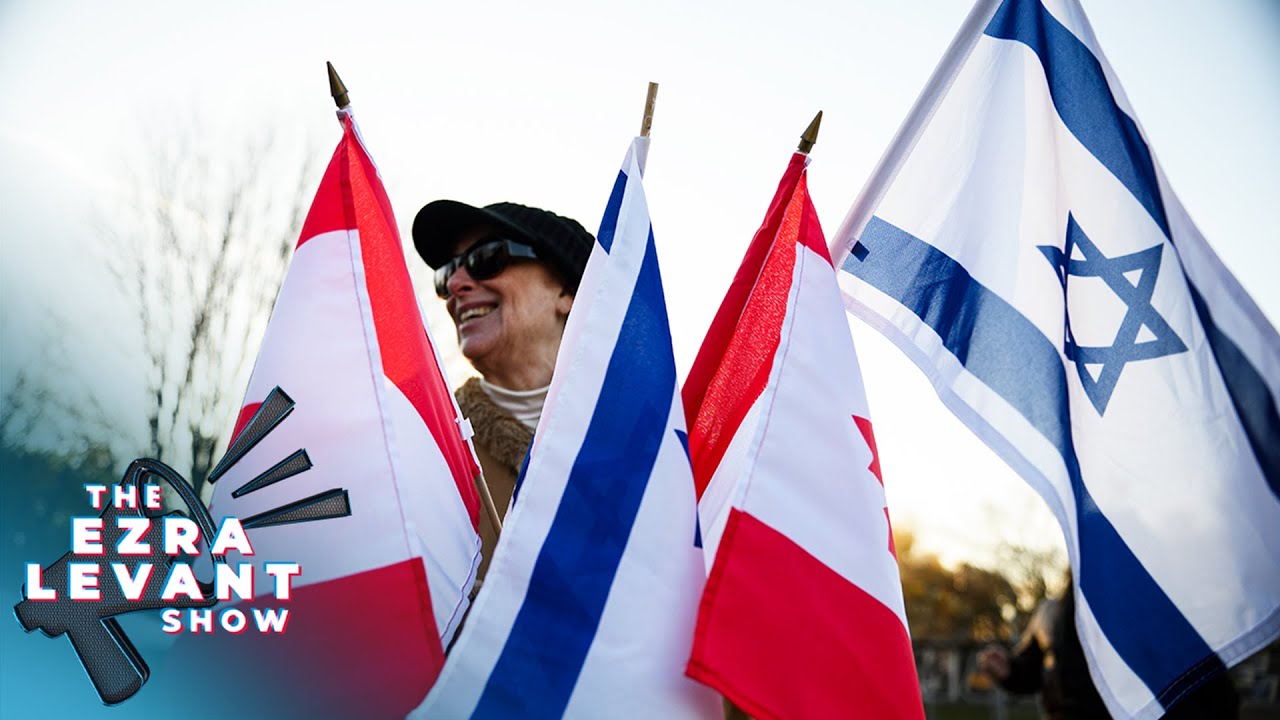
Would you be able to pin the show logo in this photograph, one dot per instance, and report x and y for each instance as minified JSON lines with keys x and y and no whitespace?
{"x":136,"y":555}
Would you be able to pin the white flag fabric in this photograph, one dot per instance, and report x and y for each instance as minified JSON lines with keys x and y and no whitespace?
{"x":587,"y":609}
{"x":349,"y":460}
{"x":1020,"y":243}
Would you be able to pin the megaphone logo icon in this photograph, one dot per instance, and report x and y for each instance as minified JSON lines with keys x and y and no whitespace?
{"x":114,"y":665}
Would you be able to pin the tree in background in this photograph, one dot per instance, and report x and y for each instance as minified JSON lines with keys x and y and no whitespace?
{"x":967,"y":604}
{"x":1036,"y":573}
{"x":199,"y":254}
{"x":50,"y":447}
{"x":44,"y":403}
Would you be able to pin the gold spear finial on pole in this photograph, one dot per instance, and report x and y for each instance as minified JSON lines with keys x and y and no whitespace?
{"x":649,"y":102}
{"x":810,"y":135}
{"x":337,"y":89}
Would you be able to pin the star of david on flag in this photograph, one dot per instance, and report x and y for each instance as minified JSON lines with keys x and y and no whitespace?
{"x":1020,"y":243}
{"x":1139,"y":314}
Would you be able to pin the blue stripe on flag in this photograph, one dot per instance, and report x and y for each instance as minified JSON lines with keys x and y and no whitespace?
{"x":1011,"y":356}
{"x":609,"y":224}
{"x":1250,"y":396}
{"x":524,"y":467}
{"x":544,"y":653}
{"x":1087,"y":107}
{"x":1083,"y":98}
{"x":697,"y":523}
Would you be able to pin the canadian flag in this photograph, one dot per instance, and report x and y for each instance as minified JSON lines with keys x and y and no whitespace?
{"x":802,"y":615}
{"x":350,"y":459}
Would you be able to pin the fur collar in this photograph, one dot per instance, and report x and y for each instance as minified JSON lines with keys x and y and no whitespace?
{"x":497,"y":432}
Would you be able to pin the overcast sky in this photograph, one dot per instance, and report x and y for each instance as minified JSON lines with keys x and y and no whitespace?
{"x":536,"y":103}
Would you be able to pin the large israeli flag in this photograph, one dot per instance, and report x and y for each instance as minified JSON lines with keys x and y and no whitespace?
{"x":1020,"y":243}
{"x":588,"y":606}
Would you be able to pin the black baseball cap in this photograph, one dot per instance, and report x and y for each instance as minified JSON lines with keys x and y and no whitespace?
{"x":559,"y":241}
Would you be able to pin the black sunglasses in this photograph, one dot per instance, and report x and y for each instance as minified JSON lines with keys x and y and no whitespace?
{"x":483,"y":260}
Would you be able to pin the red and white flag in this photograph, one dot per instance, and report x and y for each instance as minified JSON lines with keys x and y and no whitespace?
{"x":802,"y":615}
{"x":383,"y":515}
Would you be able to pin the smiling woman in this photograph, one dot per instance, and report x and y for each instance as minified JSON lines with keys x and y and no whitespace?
{"x":508,"y":274}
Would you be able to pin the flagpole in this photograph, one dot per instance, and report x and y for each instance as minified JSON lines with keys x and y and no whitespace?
{"x":810,"y":136}
{"x":340,"y":98}
{"x":912,"y":127}
{"x":490,"y":507}
{"x":646,"y":123}
{"x":337,"y":89}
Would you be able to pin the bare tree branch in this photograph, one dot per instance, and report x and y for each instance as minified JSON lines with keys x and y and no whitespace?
{"x":45,"y":406}
{"x":199,"y":259}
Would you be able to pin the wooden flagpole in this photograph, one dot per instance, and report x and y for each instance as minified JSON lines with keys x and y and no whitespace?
{"x":340,"y":98}
{"x":652,"y":99}
{"x":490,"y":507}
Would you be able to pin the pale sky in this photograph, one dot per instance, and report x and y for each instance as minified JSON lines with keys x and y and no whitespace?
{"x":537,"y":102}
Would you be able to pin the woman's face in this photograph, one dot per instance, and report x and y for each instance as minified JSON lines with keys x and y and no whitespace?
{"x":509,"y":325}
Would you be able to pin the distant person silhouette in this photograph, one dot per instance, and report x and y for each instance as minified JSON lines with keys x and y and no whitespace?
{"x":1049,"y":659}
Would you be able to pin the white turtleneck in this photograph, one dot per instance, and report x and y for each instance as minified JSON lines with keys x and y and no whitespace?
{"x":524,"y":405}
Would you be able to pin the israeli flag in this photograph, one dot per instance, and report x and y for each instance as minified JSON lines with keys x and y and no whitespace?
{"x":588,"y":607}
{"x":1020,"y":243}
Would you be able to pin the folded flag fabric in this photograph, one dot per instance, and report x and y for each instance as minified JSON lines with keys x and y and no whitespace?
{"x":348,"y":458}
{"x":587,"y":607}
{"x":802,"y":616}
{"x":1021,"y":244}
